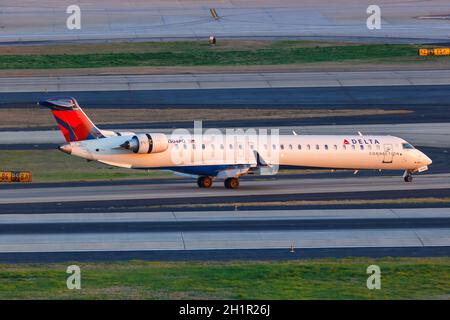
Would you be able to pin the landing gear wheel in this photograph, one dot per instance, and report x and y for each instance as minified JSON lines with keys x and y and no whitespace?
{"x":408,"y":178}
{"x":204,"y":182}
{"x":231,"y":183}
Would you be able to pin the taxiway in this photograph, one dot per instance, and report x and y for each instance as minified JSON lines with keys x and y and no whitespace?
{"x":286,"y":233}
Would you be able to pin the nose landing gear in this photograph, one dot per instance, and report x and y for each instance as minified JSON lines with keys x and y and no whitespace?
{"x":407,"y":176}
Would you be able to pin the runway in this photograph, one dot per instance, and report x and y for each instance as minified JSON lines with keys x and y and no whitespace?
{"x":168,"y":234}
{"x":167,"y":20}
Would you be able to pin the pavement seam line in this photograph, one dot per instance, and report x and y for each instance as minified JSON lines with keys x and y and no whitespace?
{"x":418,"y":237}
{"x":182,"y":239}
{"x":394,"y":212}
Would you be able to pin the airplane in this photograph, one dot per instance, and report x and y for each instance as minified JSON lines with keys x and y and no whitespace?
{"x":205,"y":158}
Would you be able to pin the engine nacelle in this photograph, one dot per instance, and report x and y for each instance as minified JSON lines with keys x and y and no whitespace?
{"x":147,"y":143}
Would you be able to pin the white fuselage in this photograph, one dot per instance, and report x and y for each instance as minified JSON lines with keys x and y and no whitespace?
{"x":319,"y":151}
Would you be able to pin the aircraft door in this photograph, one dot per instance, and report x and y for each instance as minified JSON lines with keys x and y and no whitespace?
{"x":388,"y":153}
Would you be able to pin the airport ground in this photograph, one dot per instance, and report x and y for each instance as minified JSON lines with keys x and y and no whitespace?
{"x":408,"y":107}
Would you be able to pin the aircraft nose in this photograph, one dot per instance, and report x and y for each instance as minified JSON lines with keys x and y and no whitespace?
{"x":426,"y":159}
{"x":67,"y":148}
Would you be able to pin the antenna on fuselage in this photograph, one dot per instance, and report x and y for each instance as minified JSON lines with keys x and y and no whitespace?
{"x":359,"y":132}
{"x":294,"y":133}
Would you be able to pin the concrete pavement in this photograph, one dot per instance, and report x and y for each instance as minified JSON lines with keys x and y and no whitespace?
{"x":240,"y":236}
{"x":402,"y":20}
{"x":224,"y":81}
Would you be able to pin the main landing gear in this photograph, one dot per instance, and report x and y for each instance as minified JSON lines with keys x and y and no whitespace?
{"x":204,"y":182}
{"x":231,"y":183}
{"x":407,"y":176}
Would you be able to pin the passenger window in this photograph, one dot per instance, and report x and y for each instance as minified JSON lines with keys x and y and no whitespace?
{"x":184,"y":146}
{"x":344,"y":147}
{"x":299,"y":147}
{"x":274,"y":147}
{"x":362,"y":147}
{"x":221,"y":146}
{"x":290,"y":146}
{"x":353,"y":147}
{"x":378,"y":147}
{"x":308,"y":147}
{"x":326,"y":147}
{"x":193,"y":146}
{"x":230,"y":146}
{"x":203,"y":146}
{"x":335,"y":147}
{"x":282,"y":147}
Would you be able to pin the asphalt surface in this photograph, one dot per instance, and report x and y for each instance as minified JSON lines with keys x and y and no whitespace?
{"x":193,"y":81}
{"x":318,"y":97}
{"x":312,"y":233}
{"x":401,"y":20}
{"x":223,"y":255}
{"x":134,"y":227}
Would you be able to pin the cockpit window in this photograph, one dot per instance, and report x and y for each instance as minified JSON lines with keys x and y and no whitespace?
{"x":407,"y":146}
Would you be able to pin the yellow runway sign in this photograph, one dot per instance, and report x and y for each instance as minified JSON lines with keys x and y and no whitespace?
{"x":15,"y":176}
{"x":434,"y":52}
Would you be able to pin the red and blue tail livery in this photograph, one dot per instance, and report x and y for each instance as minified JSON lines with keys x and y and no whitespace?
{"x":73,"y":122}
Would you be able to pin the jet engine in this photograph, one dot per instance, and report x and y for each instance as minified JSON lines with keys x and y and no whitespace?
{"x":147,"y":143}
